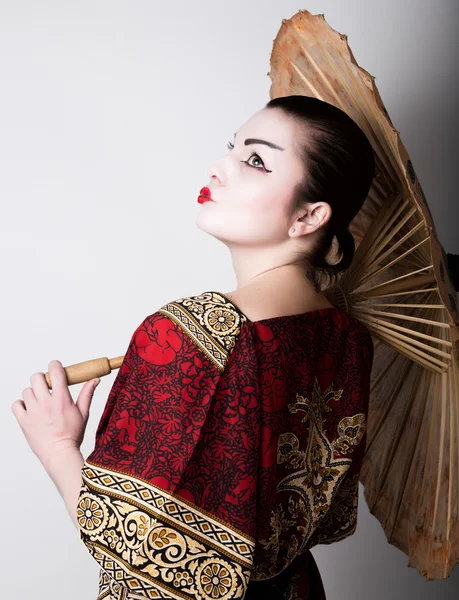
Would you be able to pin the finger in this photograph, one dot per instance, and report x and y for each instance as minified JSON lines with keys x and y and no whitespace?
{"x":85,"y":396}
{"x":39,"y":385}
{"x":18,"y":409}
{"x":30,"y":399}
{"x":58,"y":376}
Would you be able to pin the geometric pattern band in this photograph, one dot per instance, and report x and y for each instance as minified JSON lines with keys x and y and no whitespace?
{"x":157,"y":545}
{"x":211,"y":320}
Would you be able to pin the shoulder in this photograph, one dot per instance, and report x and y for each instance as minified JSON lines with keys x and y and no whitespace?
{"x":215,"y":310}
{"x":210,"y":320}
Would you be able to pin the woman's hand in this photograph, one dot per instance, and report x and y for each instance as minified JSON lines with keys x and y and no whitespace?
{"x":52,"y":421}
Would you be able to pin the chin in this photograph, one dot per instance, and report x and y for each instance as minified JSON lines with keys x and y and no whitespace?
{"x":202,"y":224}
{"x":209,"y":228}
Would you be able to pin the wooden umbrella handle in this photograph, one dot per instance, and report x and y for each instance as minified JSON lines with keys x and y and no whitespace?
{"x":89,"y":369}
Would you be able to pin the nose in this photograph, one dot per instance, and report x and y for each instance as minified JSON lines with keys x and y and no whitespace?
{"x":216,"y":171}
{"x":213,"y":176}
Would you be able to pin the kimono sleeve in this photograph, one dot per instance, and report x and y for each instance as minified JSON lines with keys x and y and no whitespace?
{"x":157,"y":508}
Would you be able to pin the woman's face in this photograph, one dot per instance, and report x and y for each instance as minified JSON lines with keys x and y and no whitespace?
{"x":252,"y":206}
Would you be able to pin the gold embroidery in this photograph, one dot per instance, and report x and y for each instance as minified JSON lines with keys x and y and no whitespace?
{"x":292,"y":590}
{"x":317,"y":480}
{"x":341,"y":519}
{"x":210,"y":320}
{"x":155,"y":544}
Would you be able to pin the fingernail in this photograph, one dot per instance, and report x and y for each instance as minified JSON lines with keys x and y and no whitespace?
{"x":96,"y":382}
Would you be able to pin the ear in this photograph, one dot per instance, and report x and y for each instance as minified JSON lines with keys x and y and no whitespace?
{"x":313,"y":217}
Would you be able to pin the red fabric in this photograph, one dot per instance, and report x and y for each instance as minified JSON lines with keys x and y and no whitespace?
{"x":255,"y":427}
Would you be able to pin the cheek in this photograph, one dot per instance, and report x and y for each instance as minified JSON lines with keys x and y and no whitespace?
{"x":268,"y":205}
{"x":249,"y":213}
{"x":263,"y":212}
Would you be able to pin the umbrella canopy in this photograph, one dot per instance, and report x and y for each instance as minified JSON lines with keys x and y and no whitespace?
{"x":399,"y":286}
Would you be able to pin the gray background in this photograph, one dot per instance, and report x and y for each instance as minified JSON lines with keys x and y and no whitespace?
{"x":110,"y":115}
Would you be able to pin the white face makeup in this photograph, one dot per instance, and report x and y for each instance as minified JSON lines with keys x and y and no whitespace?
{"x":252,"y":207}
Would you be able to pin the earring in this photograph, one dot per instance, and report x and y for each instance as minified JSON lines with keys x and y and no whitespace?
{"x":292,"y":229}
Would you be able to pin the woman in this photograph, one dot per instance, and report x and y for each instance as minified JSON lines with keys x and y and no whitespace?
{"x":232,"y":438}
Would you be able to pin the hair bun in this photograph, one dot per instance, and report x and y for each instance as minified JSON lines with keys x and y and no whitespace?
{"x":342,"y":229}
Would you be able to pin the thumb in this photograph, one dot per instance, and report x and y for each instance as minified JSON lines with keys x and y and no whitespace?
{"x":85,"y":396}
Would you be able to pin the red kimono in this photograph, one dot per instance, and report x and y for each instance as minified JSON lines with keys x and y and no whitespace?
{"x":226,"y":450}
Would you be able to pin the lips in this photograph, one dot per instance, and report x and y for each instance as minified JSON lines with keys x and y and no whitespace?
{"x":205,"y":192}
{"x":204,"y":195}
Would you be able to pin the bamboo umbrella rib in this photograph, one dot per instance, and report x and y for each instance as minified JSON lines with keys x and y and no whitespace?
{"x":381,"y":191}
{"x":403,"y":348}
{"x":407,"y":318}
{"x":356,"y":105}
{"x":386,"y":240}
{"x":404,"y":305}
{"x":446,"y":388}
{"x":455,"y":461}
{"x":376,"y":246}
{"x":406,"y":293}
{"x":378,"y":188}
{"x":408,"y":463}
{"x":401,"y":241}
{"x":372,"y":236}
{"x":431,"y":451}
{"x":418,"y":259}
{"x":417,"y":359}
{"x":388,"y":407}
{"x":369,"y":209}
{"x":373,"y":231}
{"x":426,"y":381}
{"x":313,"y":64}
{"x":441,"y":445}
{"x":379,"y":221}
{"x":313,"y":89}
{"x":375,"y":382}
{"x":391,"y":288}
{"x":372,"y":119}
{"x":454,"y":452}
{"x":412,"y":332}
{"x":394,"y":336}
{"x":373,"y":200}
{"x":395,"y":260}
{"x":377,"y":324}
{"x":392,"y":151}
{"x":405,"y":284}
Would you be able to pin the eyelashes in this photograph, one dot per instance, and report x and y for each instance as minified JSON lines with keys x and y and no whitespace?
{"x":263,"y":168}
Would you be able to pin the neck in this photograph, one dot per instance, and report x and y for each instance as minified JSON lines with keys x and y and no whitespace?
{"x":262,"y":269}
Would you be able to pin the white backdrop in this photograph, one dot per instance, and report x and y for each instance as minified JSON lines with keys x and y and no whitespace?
{"x":110,"y":114}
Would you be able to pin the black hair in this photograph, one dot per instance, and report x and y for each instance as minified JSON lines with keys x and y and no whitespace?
{"x":339,"y":166}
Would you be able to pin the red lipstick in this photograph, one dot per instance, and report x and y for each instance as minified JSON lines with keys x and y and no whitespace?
{"x":204,"y":195}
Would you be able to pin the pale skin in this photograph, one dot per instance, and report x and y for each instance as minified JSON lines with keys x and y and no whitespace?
{"x":54,"y":425}
{"x":253,"y":216}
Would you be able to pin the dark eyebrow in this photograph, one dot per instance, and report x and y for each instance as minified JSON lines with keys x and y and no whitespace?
{"x":249,"y":141}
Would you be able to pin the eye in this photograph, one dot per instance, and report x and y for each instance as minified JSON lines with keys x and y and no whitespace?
{"x":263,"y":168}
{"x":252,"y":155}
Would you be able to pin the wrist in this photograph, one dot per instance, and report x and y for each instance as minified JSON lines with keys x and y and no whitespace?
{"x":64,"y":469}
{"x":60,"y":454}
